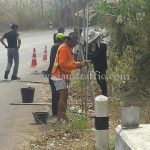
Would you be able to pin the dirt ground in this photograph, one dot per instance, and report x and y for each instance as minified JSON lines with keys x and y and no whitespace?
{"x":56,"y":136}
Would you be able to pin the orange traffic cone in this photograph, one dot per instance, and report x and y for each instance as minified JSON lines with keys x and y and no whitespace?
{"x":34,"y":61}
{"x":45,"y":54}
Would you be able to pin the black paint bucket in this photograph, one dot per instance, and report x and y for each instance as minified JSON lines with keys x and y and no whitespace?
{"x":40,"y":117}
{"x":27,"y":94}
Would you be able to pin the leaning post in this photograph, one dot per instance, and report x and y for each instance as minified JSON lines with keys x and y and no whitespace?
{"x":101,"y":123}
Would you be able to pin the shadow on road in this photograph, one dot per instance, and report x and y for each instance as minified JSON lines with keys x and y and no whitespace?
{"x":5,"y":81}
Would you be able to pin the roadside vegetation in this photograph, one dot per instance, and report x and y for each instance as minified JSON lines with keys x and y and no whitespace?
{"x":28,"y":14}
{"x":129,"y":66}
{"x":128,"y":24}
{"x":128,"y":74}
{"x":78,"y":133}
{"x":37,"y":14}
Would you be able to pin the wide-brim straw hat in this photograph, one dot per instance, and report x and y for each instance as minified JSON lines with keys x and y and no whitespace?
{"x":92,"y":36}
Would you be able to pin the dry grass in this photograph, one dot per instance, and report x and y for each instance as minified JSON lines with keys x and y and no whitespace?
{"x":76,"y":136}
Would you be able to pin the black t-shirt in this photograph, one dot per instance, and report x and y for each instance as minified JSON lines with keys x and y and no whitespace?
{"x":11,"y":39}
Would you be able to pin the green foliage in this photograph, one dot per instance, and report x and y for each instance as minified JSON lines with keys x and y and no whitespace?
{"x":77,"y":122}
{"x":36,"y":14}
{"x":27,"y":14}
{"x":128,"y":23}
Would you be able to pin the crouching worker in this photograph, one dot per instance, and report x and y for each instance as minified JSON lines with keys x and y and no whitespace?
{"x":61,"y":74}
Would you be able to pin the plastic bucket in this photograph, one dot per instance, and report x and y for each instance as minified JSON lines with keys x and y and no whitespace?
{"x":27,"y":94}
{"x":40,"y":117}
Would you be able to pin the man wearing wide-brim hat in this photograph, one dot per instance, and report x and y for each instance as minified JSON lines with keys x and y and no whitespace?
{"x":98,"y":56}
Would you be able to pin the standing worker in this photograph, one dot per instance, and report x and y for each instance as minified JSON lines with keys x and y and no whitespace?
{"x":60,"y":30}
{"x":13,"y":46}
{"x":98,"y":56}
{"x":59,"y":40}
{"x":61,"y":74}
{"x":78,"y":32}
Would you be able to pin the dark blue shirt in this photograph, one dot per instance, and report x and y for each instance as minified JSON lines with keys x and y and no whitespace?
{"x":52,"y":57}
{"x":99,"y":57}
{"x":11,"y":39}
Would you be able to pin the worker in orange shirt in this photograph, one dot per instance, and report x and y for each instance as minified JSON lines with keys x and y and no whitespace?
{"x":61,"y":73}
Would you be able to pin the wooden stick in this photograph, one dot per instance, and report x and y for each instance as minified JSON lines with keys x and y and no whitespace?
{"x":35,"y":104}
{"x":36,"y":82}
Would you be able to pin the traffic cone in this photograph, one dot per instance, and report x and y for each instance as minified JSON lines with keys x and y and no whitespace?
{"x":45,"y":54}
{"x":34,"y":61}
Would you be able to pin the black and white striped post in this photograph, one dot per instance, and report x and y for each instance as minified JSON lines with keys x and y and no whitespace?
{"x":101,"y":123}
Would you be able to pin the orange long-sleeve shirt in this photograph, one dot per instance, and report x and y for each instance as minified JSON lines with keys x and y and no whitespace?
{"x":64,"y":62}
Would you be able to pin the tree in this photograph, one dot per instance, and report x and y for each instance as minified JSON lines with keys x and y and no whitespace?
{"x":128,"y":23}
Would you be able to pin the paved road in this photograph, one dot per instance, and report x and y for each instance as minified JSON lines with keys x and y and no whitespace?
{"x":36,"y":40}
{"x":14,"y":120}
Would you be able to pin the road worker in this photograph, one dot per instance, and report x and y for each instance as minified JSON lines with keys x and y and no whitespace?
{"x":61,"y":73}
{"x":78,"y":32}
{"x":60,"y":30}
{"x":59,"y":40}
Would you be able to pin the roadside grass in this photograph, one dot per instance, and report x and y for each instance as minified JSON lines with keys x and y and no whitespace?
{"x":78,"y":133}
{"x":115,"y":104}
{"x":77,"y":121}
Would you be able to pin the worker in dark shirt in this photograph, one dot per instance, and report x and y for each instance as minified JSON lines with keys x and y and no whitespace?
{"x":60,"y":30}
{"x":13,"y":45}
{"x":59,"y":39}
{"x":98,"y":56}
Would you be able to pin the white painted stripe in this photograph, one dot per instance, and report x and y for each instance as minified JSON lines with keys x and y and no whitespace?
{"x":102,"y":139}
{"x":101,"y":106}
{"x":101,"y":110}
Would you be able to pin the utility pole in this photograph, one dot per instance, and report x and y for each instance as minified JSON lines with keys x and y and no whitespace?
{"x":58,"y":13}
{"x":84,"y":20}
{"x":42,"y":8}
{"x":61,"y":11}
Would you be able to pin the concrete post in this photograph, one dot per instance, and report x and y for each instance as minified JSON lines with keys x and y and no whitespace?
{"x":101,"y":123}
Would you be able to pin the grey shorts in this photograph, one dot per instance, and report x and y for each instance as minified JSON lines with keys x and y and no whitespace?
{"x":60,"y":84}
